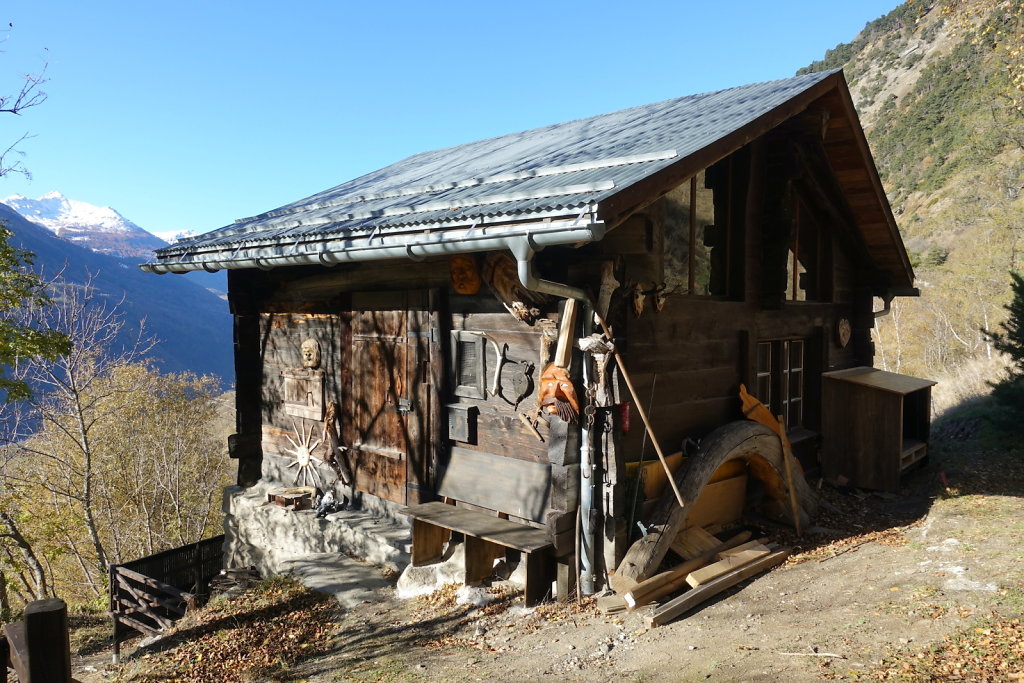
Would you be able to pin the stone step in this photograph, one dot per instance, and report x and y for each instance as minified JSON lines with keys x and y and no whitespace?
{"x":266,"y":536}
{"x":350,"y":581}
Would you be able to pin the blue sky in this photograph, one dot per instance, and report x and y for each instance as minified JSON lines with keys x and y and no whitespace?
{"x":190,"y":114}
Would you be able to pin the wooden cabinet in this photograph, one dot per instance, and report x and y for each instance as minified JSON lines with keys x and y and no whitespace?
{"x":875,"y":424}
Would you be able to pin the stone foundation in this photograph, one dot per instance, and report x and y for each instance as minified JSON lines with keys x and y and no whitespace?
{"x":271,"y":538}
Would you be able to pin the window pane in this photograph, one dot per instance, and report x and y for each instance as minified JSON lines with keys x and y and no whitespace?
{"x":796,"y":354}
{"x":764,"y":357}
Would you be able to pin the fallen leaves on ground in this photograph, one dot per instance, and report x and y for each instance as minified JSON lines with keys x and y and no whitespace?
{"x":267,"y":629}
{"x":992,"y":650}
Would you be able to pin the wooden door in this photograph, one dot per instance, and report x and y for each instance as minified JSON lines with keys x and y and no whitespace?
{"x":390,"y":392}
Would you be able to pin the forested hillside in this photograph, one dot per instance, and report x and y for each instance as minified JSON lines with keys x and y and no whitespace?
{"x":940,"y":91}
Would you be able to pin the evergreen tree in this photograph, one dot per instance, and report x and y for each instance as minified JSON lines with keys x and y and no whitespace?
{"x":1011,"y":340}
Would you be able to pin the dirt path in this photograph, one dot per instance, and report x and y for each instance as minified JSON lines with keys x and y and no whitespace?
{"x":906,"y":571}
{"x":832,"y":615}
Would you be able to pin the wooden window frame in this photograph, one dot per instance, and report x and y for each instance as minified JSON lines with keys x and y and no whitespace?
{"x":478,"y":388}
{"x":818,"y":272}
{"x":785,"y":397}
{"x":722,"y":198}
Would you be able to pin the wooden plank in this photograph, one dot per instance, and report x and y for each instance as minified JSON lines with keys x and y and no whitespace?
{"x":517,"y":487}
{"x":611,"y":604}
{"x":881,"y":379}
{"x":427,"y":542}
{"x":143,"y":603}
{"x":494,"y":529}
{"x":538,"y":576}
{"x":184,"y":596}
{"x":725,"y":565}
{"x":137,"y":625}
{"x":719,"y":503}
{"x":500,"y":431}
{"x":684,"y":603}
{"x":693,"y":542}
{"x":17,"y":643}
{"x":756,"y":543}
{"x":5,"y":657}
{"x":672,"y":580}
{"x":480,"y":556}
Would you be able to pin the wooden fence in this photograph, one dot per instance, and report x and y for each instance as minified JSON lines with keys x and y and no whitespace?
{"x":149,"y":594}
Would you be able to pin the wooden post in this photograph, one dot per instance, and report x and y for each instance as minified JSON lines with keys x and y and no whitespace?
{"x":787,"y":455}
{"x":49,"y":648}
{"x":5,"y":655}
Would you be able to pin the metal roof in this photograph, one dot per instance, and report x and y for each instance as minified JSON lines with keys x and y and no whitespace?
{"x":529,"y":178}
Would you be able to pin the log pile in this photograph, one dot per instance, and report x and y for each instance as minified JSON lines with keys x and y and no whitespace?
{"x":709,"y":567}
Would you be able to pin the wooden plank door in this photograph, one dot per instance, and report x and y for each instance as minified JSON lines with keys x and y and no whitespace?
{"x":390,"y":392}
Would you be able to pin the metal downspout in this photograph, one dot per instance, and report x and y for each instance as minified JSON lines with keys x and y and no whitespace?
{"x":523,"y":251}
{"x":886,"y":306}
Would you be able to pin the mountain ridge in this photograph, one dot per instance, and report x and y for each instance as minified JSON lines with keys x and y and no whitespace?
{"x":193,"y":324}
{"x":100,"y":228}
{"x":939,"y":88}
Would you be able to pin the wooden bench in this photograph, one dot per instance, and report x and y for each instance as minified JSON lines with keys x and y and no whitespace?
{"x":433,"y":524}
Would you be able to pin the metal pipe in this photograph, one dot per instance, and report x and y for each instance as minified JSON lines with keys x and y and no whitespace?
{"x":886,"y":306}
{"x":524,"y":250}
{"x":588,"y":483}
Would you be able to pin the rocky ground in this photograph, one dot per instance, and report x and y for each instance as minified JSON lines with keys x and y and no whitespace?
{"x":872,"y":595}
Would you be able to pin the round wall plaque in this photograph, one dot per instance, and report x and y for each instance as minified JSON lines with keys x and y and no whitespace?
{"x":843,"y":332}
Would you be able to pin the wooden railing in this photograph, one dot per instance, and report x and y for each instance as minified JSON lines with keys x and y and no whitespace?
{"x":37,"y":647}
{"x":149,"y":594}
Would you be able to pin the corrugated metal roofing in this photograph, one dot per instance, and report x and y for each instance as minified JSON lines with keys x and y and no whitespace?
{"x":559,"y":170}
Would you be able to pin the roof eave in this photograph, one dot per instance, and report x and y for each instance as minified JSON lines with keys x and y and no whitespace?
{"x":618,"y":206}
{"x":903,"y":277}
{"x":414,"y":246}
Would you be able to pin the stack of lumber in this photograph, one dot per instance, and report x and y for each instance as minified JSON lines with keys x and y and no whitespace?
{"x":710,"y":566}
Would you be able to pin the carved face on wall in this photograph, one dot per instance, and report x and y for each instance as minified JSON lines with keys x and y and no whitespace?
{"x":310,"y":354}
{"x":464,"y":273}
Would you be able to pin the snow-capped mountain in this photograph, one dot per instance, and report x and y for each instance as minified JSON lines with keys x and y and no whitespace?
{"x":172,"y":236}
{"x":99,"y":228}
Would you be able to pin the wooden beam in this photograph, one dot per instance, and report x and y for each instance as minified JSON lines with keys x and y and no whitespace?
{"x":712,"y":571}
{"x":668,"y":582}
{"x":684,"y":603}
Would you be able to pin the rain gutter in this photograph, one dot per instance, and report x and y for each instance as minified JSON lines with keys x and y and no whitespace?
{"x":536,"y":236}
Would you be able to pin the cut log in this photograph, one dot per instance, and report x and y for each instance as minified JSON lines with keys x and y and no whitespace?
{"x":675,"y":578}
{"x":757,"y":445}
{"x":724,"y":566}
{"x":687,"y":601}
{"x":621,"y":584}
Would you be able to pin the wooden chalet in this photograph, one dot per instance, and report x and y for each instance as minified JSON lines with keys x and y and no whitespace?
{"x":413,"y":325}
